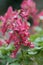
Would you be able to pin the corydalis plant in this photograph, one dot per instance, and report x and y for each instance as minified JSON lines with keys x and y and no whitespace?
{"x":28,"y":9}
{"x":17,"y":29}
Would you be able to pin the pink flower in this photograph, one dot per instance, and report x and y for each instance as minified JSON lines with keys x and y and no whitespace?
{"x":20,"y":31}
{"x":0,"y":43}
{"x":8,"y":18}
{"x":8,"y":13}
{"x":29,"y":5}
{"x":19,"y":35}
{"x":40,"y":15}
{"x":36,"y":20}
{"x":28,"y":8}
{"x":32,"y":45}
{"x":25,"y":14}
{"x":19,"y":26}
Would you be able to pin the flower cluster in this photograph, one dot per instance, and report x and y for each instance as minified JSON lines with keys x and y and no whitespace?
{"x":18,"y":28}
{"x":28,"y":9}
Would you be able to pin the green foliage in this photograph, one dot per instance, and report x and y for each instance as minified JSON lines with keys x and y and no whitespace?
{"x":37,"y":51}
{"x":25,"y":55}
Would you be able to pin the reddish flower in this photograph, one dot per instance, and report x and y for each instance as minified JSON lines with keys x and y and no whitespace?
{"x":32,"y":45}
{"x":29,"y":5}
{"x":0,"y":43}
{"x":25,"y":14}
{"x":8,"y":18}
{"x":20,"y":27}
{"x":20,"y":33}
{"x":28,"y":8}
{"x":40,"y":15}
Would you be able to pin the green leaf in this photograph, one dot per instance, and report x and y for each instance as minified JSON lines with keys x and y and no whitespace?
{"x":15,"y":64}
{"x":38,"y":29}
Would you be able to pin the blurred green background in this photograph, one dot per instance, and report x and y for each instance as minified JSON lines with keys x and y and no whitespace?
{"x":4,"y":4}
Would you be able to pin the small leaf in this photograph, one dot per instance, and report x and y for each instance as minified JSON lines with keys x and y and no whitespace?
{"x":15,"y":64}
{"x":32,"y":53}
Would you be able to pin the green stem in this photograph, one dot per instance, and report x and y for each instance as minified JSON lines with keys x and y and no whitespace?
{"x":22,"y":57}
